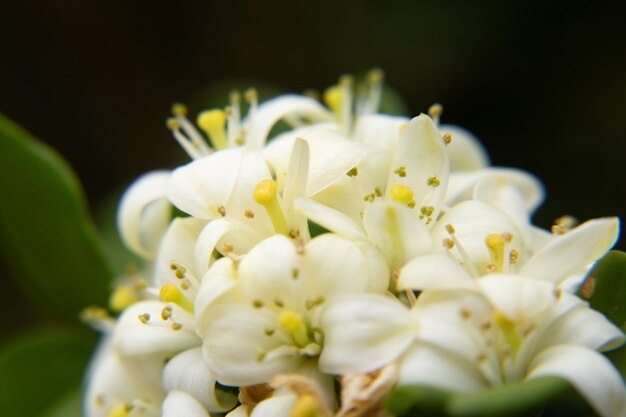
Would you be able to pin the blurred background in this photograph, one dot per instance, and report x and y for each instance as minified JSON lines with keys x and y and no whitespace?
{"x":543,"y":86}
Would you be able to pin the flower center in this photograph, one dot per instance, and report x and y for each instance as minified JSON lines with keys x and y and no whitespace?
{"x":294,"y":324}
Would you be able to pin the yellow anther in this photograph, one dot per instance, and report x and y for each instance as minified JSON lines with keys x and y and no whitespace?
{"x":448,"y":243}
{"x":294,"y":324}
{"x":375,"y":76}
{"x":353,"y":172}
{"x":120,"y":411}
{"x":172,"y":123}
{"x":235,"y":97}
{"x":433,"y":182}
{"x":401,"y":194}
{"x":213,"y":123}
{"x":333,"y":98}
{"x":378,"y":191}
{"x":495,"y":242}
{"x":427,"y":210}
{"x":265,"y":195}
{"x":435,"y":110}
{"x":248,"y":213}
{"x":400,"y":171}
{"x":227,"y":248}
{"x":171,"y":294}
{"x":311,"y":93}
{"x":176,"y":326}
{"x":179,"y":109}
{"x":305,"y":406}
{"x":144,"y":318}
{"x":166,"y":313}
{"x":513,"y":256}
{"x":265,"y":192}
{"x":221,"y":210}
{"x":450,"y":229}
{"x":447,"y":138}
{"x":122,"y":297}
{"x":251,"y":95}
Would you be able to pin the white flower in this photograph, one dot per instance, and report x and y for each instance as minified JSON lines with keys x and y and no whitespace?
{"x":509,"y":328}
{"x":259,"y":317}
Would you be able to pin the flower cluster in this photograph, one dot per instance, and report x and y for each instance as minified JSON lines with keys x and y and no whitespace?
{"x":307,"y":274}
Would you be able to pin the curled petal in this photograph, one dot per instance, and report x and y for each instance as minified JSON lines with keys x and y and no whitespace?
{"x":573,"y":251}
{"x":593,"y":376}
{"x":181,"y":404}
{"x":207,"y":242}
{"x":144,"y":213}
{"x":187,"y":372}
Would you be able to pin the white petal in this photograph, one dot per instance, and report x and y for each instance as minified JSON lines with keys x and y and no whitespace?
{"x":202,"y":186}
{"x":473,"y":221}
{"x":181,"y":404}
{"x":329,"y":218}
{"x":119,"y":380}
{"x":206,"y":243}
{"x":272,"y":111}
{"x":466,"y":153}
{"x":278,"y":405}
{"x":517,"y":297}
{"x":573,"y":251}
{"x":379,"y":130}
{"x":434,"y":272}
{"x":429,"y":365}
{"x":177,"y":246}
{"x":593,"y":376}
{"x":234,"y":342}
{"x":364,"y":332}
{"x":144,"y":213}
{"x":396,"y":231}
{"x":241,"y":411}
{"x":215,"y":287}
{"x":187,"y":372}
{"x":422,"y":152}
{"x":133,"y":337}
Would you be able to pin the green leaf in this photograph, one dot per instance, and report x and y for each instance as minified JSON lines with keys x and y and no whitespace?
{"x":605,"y":287}
{"x":46,"y":235}
{"x":71,"y":405}
{"x":407,"y":400}
{"x":518,"y":399}
{"x":42,"y":368}
{"x":391,"y":102}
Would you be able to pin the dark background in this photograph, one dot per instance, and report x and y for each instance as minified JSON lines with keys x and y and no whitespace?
{"x":543,"y":86}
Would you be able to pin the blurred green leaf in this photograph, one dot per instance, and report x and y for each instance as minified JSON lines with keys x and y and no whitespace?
{"x":391,"y":102}
{"x":41,"y":370}
{"x":605,"y":287}
{"x":71,"y":405}
{"x":47,"y":237}
{"x":407,"y":400}
{"x":518,"y":399}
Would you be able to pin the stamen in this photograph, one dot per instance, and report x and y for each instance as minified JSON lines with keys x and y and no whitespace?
{"x":434,"y":112}
{"x":174,"y":125}
{"x":265,"y":195}
{"x":248,"y":213}
{"x":375,"y":79}
{"x":144,"y":318}
{"x":467,"y":261}
{"x":433,"y":182}
{"x":122,"y":297}
{"x":305,"y":406}
{"x":563,"y":224}
{"x":400,"y":171}
{"x":495,"y":243}
{"x":401,"y":194}
{"x":353,"y":172}
{"x":171,"y":294}
{"x":293,"y":323}
{"x":507,"y":326}
{"x":180,"y":111}
{"x":333,"y":97}
{"x":447,"y":138}
{"x":212,"y":122}
{"x":120,"y":411}
{"x":98,"y":318}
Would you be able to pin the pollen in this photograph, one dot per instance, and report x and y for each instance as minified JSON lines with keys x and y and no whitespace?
{"x":400,"y":171}
{"x":248,"y":213}
{"x":144,"y":318}
{"x":435,"y":110}
{"x":433,"y":182}
{"x":401,"y":194}
{"x":179,"y":109}
{"x":172,"y":123}
{"x":353,"y":172}
{"x":447,"y":138}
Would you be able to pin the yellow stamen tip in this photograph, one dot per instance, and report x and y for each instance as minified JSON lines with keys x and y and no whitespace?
{"x":179,"y":109}
{"x":265,"y":192}
{"x":172,"y":123}
{"x":376,"y":76}
{"x":494,"y":241}
{"x":251,"y":95}
{"x":333,"y":97}
{"x":170,"y":293}
{"x":305,"y":406}
{"x":120,"y":411}
{"x":435,"y":110}
{"x":122,"y":297}
{"x":290,"y":321}
{"x":210,"y":120}
{"x":401,"y":194}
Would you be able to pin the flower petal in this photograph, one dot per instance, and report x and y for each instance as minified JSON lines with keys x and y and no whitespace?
{"x":329,"y":218}
{"x":202,"y":186}
{"x":364,"y":332}
{"x":237,"y":349}
{"x":206,"y":243}
{"x":517,"y":297}
{"x":422,"y":152}
{"x":466,"y":153}
{"x":181,"y":404}
{"x":434,"y":272}
{"x":272,"y":111}
{"x":187,"y":372}
{"x":144,"y":213}
{"x":593,"y":376}
{"x":573,"y":251}
{"x":396,"y":231}
{"x":134,"y":337}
